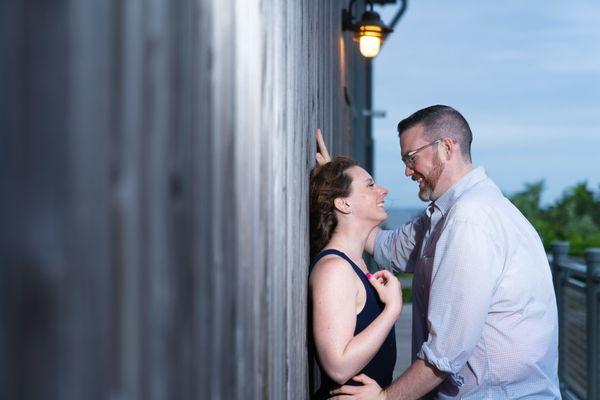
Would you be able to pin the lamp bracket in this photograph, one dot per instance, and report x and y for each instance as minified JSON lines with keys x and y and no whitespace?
{"x":348,"y":23}
{"x":348,"y":19}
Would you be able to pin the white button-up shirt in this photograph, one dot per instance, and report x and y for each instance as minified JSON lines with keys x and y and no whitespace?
{"x":484,"y":309}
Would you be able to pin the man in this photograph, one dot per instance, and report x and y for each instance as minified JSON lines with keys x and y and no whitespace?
{"x":484,"y":311}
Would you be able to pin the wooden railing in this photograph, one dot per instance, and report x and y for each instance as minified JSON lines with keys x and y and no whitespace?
{"x":577,"y":287}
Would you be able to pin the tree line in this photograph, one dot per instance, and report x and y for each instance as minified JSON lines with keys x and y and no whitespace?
{"x":574,"y":217}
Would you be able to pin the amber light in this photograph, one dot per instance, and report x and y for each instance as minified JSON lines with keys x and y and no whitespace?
{"x":369,"y":38}
{"x":369,"y":32}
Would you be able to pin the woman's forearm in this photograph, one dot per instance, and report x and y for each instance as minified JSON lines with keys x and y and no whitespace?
{"x":361,"y":348}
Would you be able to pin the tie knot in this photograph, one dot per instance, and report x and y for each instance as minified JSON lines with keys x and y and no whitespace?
{"x":430,"y":209}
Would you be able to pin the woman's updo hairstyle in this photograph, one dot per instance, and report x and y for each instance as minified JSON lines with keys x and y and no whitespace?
{"x":327,"y":182}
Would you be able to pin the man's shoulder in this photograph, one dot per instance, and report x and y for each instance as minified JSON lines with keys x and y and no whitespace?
{"x":478,"y":201}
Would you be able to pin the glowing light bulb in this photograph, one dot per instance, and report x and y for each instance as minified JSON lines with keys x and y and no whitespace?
{"x":369,"y":46}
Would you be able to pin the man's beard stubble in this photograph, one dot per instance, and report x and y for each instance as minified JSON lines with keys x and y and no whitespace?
{"x":431,"y":180}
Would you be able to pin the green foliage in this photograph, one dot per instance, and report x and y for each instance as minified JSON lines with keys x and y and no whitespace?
{"x":407,"y":295}
{"x":406,"y":289}
{"x":574,"y":217}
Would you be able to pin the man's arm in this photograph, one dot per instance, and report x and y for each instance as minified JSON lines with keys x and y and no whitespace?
{"x":370,"y":245}
{"x":394,"y":249}
{"x":464,"y":275}
{"x":418,"y":380}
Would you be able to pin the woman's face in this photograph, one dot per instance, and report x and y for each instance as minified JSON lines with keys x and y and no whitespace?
{"x":367,"y":197}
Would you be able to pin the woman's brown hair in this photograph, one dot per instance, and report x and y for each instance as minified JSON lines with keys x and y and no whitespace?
{"x":327,"y":182}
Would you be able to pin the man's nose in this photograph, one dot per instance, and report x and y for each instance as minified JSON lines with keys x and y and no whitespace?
{"x":408,"y":171}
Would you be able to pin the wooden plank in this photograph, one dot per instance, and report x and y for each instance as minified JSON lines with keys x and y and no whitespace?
{"x":32,"y":211}
{"x":155,"y":219}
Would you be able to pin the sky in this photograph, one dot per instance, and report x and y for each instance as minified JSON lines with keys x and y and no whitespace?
{"x":524,"y":73}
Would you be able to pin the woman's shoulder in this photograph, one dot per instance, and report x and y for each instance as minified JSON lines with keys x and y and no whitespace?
{"x":333,"y":280}
{"x":331,"y":269}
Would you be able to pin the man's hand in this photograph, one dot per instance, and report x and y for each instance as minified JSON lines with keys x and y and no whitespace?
{"x":322,"y":156}
{"x":369,"y":390}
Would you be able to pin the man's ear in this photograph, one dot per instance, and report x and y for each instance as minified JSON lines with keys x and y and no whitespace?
{"x":447,"y":146}
{"x":342,"y":205}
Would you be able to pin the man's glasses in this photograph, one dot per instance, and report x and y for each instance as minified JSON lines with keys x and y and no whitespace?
{"x":409,"y":158}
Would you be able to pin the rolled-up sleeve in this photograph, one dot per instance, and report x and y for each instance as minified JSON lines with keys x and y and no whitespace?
{"x":394,"y":249}
{"x":465,"y":273}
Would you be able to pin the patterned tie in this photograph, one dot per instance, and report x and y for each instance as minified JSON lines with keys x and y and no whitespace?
{"x":428,"y":225}
{"x":430,"y":211}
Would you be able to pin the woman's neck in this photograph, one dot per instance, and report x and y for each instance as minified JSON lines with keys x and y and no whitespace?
{"x":351,"y":240}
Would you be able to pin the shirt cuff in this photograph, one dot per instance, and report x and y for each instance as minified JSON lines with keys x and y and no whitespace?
{"x":442,"y":364}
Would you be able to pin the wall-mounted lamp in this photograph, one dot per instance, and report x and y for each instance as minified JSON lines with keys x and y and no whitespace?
{"x":370,"y":31}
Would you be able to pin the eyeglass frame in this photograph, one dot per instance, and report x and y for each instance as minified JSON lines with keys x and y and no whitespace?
{"x":409,"y":158}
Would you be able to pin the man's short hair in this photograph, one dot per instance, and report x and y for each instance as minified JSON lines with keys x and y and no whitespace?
{"x":439,"y":122}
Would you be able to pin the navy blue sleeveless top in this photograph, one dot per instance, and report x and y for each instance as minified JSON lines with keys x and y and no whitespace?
{"x":381,"y":366}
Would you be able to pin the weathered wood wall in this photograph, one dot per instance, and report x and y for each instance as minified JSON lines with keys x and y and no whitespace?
{"x":154,"y":164}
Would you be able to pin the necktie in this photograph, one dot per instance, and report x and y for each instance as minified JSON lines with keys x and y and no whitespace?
{"x":428,"y":226}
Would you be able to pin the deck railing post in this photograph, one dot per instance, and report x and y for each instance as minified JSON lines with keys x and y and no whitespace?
{"x":560,"y":250}
{"x":592,"y":259}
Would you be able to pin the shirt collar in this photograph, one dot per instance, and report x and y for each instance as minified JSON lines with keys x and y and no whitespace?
{"x":445,"y":201}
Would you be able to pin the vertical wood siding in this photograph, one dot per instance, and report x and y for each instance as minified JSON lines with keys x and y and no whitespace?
{"x":154,"y":175}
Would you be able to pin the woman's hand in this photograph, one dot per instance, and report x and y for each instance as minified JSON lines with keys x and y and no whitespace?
{"x":322,"y":156}
{"x":388,"y":288}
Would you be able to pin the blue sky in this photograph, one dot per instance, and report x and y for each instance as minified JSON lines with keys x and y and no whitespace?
{"x":525,"y":74}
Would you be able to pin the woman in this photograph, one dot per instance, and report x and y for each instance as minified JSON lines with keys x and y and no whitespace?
{"x":353,"y":329}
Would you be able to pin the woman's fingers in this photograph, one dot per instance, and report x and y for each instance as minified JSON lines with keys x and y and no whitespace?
{"x":387,"y":287}
{"x":383,"y":276}
{"x":375,"y":281}
{"x":322,"y":156}
{"x":378,"y":286}
{"x":383,"y":273}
